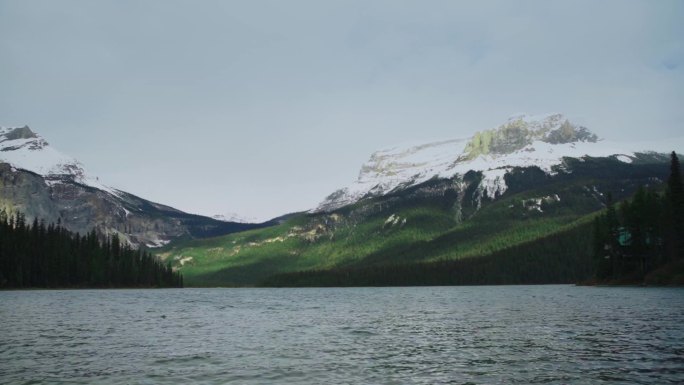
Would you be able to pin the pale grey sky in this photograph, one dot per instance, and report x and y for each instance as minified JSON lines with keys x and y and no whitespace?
{"x":264,"y":107}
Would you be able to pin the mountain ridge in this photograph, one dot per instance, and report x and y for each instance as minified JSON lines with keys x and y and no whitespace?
{"x":41,"y":182}
{"x":542,"y":141}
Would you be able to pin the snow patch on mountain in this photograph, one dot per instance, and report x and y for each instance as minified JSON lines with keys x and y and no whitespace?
{"x":624,"y":158}
{"x":235,"y":217}
{"x":34,"y":154}
{"x":26,"y":150}
{"x":394,"y":220}
{"x":535,"y":204}
{"x":157,"y":243}
{"x":493,"y":183}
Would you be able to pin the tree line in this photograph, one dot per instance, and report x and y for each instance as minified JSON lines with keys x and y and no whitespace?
{"x":643,"y":234}
{"x":47,"y":256}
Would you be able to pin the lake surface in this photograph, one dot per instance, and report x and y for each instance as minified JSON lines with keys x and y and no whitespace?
{"x":426,"y":335}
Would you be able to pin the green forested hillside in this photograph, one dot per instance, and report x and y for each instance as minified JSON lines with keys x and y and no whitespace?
{"x":561,"y":257}
{"x":442,"y":225}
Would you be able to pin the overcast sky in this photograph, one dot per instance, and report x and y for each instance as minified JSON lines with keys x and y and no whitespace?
{"x":265,"y":107}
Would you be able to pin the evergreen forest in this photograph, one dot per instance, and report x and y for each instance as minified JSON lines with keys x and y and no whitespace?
{"x":562,"y":257}
{"x":48,"y":256}
{"x":642,"y":239}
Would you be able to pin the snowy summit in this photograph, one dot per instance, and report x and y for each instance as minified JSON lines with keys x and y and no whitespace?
{"x":24,"y":149}
{"x":235,"y":218}
{"x":523,"y":141}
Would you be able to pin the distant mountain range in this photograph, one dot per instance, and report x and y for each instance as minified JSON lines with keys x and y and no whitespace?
{"x":43,"y":183}
{"x":527,"y":187}
{"x":234,"y":217}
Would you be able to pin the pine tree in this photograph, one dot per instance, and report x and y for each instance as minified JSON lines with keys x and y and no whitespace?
{"x":675,"y":194}
{"x":601,"y":260}
{"x":612,"y":225}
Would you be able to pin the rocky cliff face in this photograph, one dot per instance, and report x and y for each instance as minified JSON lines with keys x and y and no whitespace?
{"x":522,"y":131}
{"x":40,"y":182}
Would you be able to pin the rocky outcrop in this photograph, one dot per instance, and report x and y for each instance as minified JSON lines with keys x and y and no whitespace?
{"x":522,"y":131}
{"x":21,"y":133}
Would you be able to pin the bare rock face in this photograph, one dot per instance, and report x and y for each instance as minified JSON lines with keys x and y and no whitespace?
{"x":21,"y":133}
{"x":522,"y":131}
{"x":25,"y":192}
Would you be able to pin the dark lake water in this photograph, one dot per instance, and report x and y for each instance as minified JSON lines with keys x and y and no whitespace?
{"x":427,"y":335}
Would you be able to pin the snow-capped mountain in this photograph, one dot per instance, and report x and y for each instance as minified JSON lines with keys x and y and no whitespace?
{"x":234,"y":217}
{"x":523,"y":141}
{"x":43,"y":183}
{"x":24,"y":149}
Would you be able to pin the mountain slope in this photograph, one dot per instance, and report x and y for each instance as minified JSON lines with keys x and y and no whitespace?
{"x":562,"y":256}
{"x":405,"y":212}
{"x":43,"y":183}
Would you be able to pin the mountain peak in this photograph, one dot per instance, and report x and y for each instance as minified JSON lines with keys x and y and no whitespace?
{"x":541,"y":141}
{"x":24,"y":149}
{"x":20,"y":133}
{"x":550,"y":118}
{"x":550,"y":128}
{"x":16,"y":138}
{"x":522,"y":130}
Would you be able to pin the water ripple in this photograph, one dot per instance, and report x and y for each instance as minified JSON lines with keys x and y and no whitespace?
{"x":431,"y":335}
